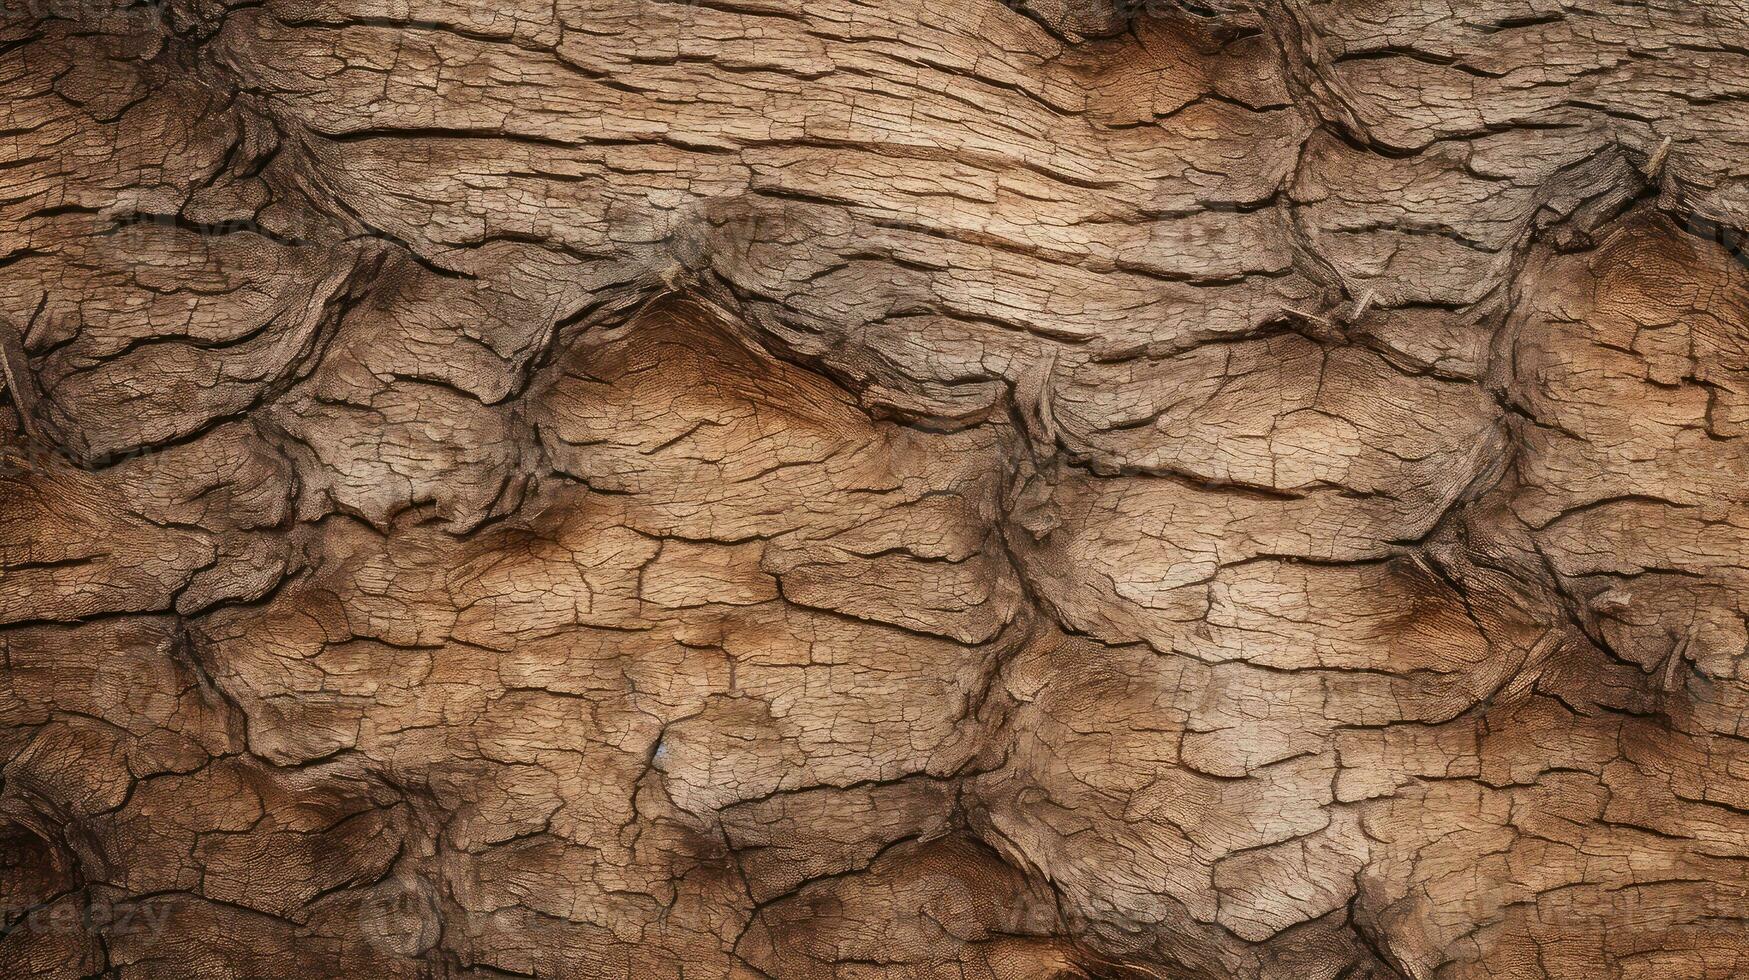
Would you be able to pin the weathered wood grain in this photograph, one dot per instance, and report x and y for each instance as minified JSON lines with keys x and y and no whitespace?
{"x":874,"y":489}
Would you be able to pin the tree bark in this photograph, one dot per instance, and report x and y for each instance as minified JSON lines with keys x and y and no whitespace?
{"x":874,"y":489}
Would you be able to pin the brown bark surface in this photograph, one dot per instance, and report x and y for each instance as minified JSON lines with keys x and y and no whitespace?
{"x":874,"y":489}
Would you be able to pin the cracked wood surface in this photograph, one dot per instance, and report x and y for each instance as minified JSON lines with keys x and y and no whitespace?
{"x":874,"y":489}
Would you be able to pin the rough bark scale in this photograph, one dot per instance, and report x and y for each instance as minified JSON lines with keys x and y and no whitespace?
{"x":874,"y":489}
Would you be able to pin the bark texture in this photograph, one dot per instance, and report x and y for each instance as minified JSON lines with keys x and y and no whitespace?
{"x":874,"y":489}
